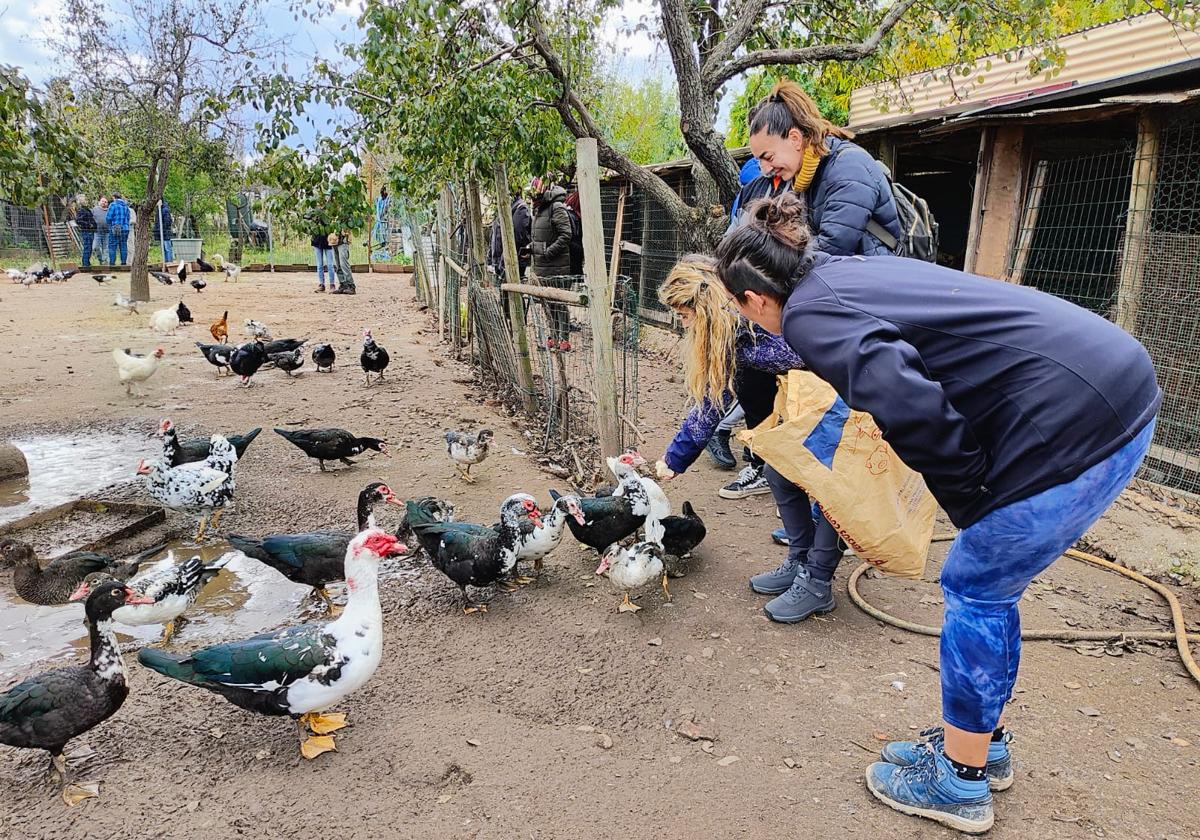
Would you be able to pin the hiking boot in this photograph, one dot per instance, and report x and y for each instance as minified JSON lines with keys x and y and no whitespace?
{"x":930,"y":788}
{"x":805,"y":597}
{"x":779,"y":537}
{"x":718,"y":449}
{"x":749,"y":482}
{"x":346,"y":290}
{"x":999,"y":761}
{"x":776,"y":581}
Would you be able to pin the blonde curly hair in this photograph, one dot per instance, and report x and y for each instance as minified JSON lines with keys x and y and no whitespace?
{"x":710,"y":358}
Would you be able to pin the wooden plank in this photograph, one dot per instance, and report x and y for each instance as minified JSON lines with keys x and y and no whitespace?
{"x":614,"y":267}
{"x":1137,"y":221}
{"x":631,"y":247}
{"x":516,"y":306}
{"x":1029,"y":217}
{"x":999,"y":208}
{"x":600,"y":292}
{"x":546,"y":293}
{"x":458,"y":269}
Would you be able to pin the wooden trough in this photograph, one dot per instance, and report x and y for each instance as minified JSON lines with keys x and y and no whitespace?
{"x":82,"y":525}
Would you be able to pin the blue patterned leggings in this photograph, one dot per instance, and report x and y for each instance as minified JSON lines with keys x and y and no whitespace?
{"x":987,"y":570}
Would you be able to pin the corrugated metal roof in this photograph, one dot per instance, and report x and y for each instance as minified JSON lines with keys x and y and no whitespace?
{"x":1112,"y":51}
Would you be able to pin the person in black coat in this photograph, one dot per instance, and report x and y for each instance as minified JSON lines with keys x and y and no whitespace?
{"x":85,"y":222}
{"x":522,"y":221}
{"x":1025,"y":414}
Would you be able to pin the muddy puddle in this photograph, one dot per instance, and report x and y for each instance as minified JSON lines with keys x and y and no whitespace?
{"x":63,"y":468}
{"x":245,"y":598}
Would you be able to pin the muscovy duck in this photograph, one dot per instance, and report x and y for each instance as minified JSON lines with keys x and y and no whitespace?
{"x":284,"y":345}
{"x":681,"y":534}
{"x":171,"y":588}
{"x":425,"y":510}
{"x":287,"y":362}
{"x":374,"y":359}
{"x":247,"y":359}
{"x":632,"y":568}
{"x":467,"y":449}
{"x":301,"y":671}
{"x":613,"y":518}
{"x":660,"y":505}
{"x":55,"y":583}
{"x":176,"y":452}
{"x":315,"y":558}
{"x":162,"y":277}
{"x":184,"y":314}
{"x":476,"y":555}
{"x":323,"y":357}
{"x":203,"y":491}
{"x":546,"y":537}
{"x":332,"y":444}
{"x":46,"y":711}
{"x":218,"y":355}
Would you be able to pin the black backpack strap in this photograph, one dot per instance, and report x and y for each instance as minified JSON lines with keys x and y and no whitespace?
{"x":881,"y":233}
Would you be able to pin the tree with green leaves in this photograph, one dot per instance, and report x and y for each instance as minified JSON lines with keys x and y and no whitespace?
{"x":40,"y":154}
{"x":157,"y":76}
{"x":641,"y":119}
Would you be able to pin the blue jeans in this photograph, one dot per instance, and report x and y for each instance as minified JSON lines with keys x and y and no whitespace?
{"x":99,"y":245}
{"x":118,"y":242}
{"x":85,"y":242}
{"x":324,"y":260}
{"x":168,"y":250}
{"x":812,"y":541}
{"x":989,"y":566}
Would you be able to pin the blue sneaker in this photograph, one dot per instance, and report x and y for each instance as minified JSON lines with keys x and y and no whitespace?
{"x":779,"y":537}
{"x":930,"y":788}
{"x":999,"y":761}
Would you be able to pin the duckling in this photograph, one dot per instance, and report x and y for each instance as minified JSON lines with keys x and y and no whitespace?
{"x":632,"y":568}
{"x":466,"y":450}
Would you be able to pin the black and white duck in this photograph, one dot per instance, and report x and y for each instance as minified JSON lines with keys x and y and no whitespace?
{"x":300,"y":671}
{"x":170,"y":587}
{"x":323,"y":357}
{"x":477,"y":555}
{"x":53,"y":583}
{"x":632,"y":568}
{"x":374,"y":359}
{"x":332,"y":444}
{"x":544,"y":538}
{"x":176,"y":452}
{"x":610,"y":519}
{"x":46,"y":711}
{"x":316,"y":558}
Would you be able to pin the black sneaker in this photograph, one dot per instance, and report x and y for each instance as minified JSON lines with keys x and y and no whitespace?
{"x":718,"y":449}
{"x":749,"y":482}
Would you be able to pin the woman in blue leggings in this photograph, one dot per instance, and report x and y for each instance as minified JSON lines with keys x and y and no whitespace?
{"x":1026,"y":415}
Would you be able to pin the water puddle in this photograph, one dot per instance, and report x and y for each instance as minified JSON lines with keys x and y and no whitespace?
{"x":63,"y":468}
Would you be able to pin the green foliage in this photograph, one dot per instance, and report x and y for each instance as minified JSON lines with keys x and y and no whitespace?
{"x":758,"y":85}
{"x":316,"y":195}
{"x":640,"y":120}
{"x":39,"y":153}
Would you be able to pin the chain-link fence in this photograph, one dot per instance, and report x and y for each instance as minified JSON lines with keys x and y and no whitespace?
{"x":1118,"y":231}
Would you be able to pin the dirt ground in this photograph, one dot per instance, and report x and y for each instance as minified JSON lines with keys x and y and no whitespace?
{"x":554,"y":716}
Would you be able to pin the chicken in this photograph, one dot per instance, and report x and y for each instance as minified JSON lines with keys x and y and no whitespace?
{"x":184,"y":314}
{"x":218,"y":355}
{"x":467,"y":449}
{"x":287,"y":362}
{"x":164,"y":321}
{"x":181,"y":271}
{"x":332,"y":444}
{"x":633,"y":567}
{"x":134,"y":368}
{"x":374,"y":359}
{"x":257,"y":329}
{"x":204,"y":267}
{"x":204,"y":492}
{"x":220,"y":329}
{"x":247,"y":359}
{"x":323,"y":357}
{"x":126,"y":303}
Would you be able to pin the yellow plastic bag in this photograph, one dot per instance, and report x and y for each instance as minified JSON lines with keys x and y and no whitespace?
{"x":880,"y":506}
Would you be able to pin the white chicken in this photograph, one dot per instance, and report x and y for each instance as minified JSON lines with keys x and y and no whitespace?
{"x":165,"y":321}
{"x":132,"y":367}
{"x":203,"y":492}
{"x":632,"y":568}
{"x":257,"y":329}
{"x":127,"y":303}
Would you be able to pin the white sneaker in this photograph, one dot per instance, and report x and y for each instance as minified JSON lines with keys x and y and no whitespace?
{"x":749,"y":482}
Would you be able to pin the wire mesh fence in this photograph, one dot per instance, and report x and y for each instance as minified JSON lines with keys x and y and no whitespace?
{"x":1118,"y":232}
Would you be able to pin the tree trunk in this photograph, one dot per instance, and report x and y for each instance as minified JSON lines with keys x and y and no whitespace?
{"x":139,"y":280}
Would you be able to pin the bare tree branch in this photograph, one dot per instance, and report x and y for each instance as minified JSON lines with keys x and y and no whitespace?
{"x":748,"y":15}
{"x":716,"y":75}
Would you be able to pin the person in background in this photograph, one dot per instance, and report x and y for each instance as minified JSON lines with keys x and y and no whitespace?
{"x":340,"y":244}
{"x":1026,"y":415}
{"x":324,"y":257}
{"x":100,"y":237}
{"x":521,"y":221}
{"x":85,"y":223}
{"x":550,"y":250}
{"x":165,"y":232}
{"x":118,"y":219}
{"x":381,"y":230}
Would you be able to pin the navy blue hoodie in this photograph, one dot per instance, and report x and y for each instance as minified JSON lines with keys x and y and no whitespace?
{"x":992,"y":391}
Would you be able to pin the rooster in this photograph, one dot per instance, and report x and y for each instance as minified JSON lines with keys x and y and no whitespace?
{"x":164,"y":321}
{"x":134,"y":368}
{"x":203,"y":491}
{"x":220,"y":329}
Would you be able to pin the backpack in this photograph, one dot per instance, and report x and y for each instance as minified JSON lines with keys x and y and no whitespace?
{"x":576,"y":246}
{"x":918,"y":229}
{"x":84,"y":220}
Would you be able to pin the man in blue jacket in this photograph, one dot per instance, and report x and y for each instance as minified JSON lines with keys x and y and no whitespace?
{"x":117,"y":218}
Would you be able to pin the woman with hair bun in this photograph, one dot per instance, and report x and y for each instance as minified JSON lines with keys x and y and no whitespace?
{"x":1026,"y":415}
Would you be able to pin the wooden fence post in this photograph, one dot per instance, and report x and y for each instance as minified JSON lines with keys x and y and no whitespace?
{"x":445,"y":214}
{"x":516,"y":306}
{"x":600,"y":296}
{"x":1137,"y":221}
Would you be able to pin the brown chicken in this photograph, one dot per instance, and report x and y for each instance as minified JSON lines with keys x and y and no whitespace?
{"x":220,"y":329}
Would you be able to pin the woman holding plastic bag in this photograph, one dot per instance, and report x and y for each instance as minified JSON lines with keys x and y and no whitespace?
{"x":1026,"y":415}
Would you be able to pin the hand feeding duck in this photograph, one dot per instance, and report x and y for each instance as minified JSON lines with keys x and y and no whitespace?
{"x":46,"y":711}
{"x":170,"y":589}
{"x":301,"y":671}
{"x":176,"y":452}
{"x":476,"y":555}
{"x":332,"y":444}
{"x":204,"y":491}
{"x":316,"y":558}
{"x":611,"y":519}
{"x":54,"y":583}
{"x":632,"y":568}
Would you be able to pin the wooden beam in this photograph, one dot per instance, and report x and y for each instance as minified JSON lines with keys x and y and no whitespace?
{"x":546,"y":293}
{"x":998,"y":200}
{"x":983,"y":161}
{"x":614,"y":263}
{"x":600,"y":293}
{"x":516,"y":306}
{"x":1137,"y":221}
{"x":1029,"y":217}
{"x":478,"y":250}
{"x":443,"y":243}
{"x":631,"y":247}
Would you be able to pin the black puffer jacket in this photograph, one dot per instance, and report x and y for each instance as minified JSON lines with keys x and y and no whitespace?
{"x":551,"y":235}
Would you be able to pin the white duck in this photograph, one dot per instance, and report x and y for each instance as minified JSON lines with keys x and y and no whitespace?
{"x":301,"y":671}
{"x":660,"y":505}
{"x":203,"y":491}
{"x":632,"y":568}
{"x":545,"y":537}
